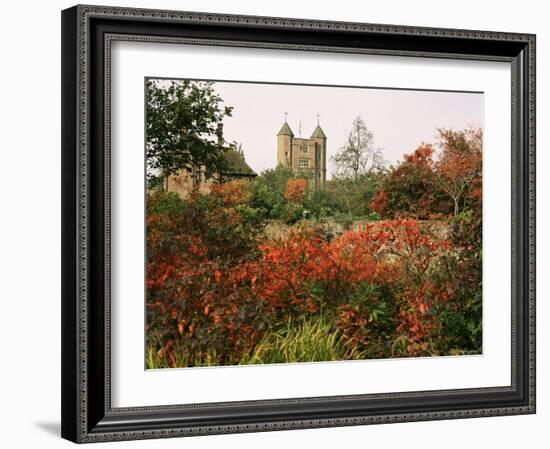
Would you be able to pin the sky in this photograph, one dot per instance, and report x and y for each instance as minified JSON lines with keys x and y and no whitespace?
{"x":400,"y":120}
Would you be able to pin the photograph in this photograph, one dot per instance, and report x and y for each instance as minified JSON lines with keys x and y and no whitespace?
{"x":274,"y":220}
{"x":290,"y":223}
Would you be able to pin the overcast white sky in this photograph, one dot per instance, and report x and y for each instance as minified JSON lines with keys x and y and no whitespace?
{"x":399,"y":119}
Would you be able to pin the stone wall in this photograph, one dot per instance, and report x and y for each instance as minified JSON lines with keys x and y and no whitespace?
{"x":332,"y":228}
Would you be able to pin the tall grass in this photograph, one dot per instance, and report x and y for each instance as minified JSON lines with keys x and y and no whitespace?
{"x":312,"y":340}
{"x":308,"y":341}
{"x":178,"y":359}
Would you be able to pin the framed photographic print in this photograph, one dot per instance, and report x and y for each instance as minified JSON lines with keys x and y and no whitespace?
{"x":277,"y":224}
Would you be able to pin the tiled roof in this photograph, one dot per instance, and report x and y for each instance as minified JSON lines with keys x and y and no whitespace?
{"x":236,"y":165}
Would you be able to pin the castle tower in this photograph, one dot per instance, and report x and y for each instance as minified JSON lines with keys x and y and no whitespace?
{"x":320,"y":139}
{"x":303,"y":155}
{"x":284,"y":145}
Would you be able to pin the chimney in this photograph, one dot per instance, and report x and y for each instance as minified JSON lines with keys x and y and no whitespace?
{"x":219,"y":133}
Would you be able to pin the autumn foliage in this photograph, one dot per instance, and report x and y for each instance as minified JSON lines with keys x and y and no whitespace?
{"x":295,"y":190}
{"x":216,"y":286}
{"x":425,"y":187}
{"x":219,"y":286}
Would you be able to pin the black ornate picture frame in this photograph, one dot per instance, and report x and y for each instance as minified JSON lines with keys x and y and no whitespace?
{"x":87,"y":34}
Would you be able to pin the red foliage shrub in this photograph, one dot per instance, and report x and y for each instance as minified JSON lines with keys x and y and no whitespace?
{"x":414,"y":253}
{"x":306,"y":271}
{"x":379,"y":203}
{"x":199,"y":293}
{"x":214,"y":287}
{"x":408,"y":189}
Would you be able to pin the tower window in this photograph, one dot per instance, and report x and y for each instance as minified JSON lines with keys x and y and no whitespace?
{"x":304,"y":163}
{"x":304,"y":148}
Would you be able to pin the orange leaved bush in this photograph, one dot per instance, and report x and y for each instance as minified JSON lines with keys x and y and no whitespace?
{"x":295,"y":190}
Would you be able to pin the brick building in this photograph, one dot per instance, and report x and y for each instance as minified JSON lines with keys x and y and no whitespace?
{"x":236,"y":169}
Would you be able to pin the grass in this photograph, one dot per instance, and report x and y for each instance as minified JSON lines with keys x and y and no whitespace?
{"x":178,"y":359}
{"x":309,"y":341}
{"x":313,"y":340}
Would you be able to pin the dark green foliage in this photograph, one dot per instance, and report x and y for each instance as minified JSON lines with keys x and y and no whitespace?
{"x":154,"y":182}
{"x":353,"y":196}
{"x":165,"y":203}
{"x":268,"y":192}
{"x":321,"y":203}
{"x":463,"y":322}
{"x":182,"y":121}
{"x":338,"y":197}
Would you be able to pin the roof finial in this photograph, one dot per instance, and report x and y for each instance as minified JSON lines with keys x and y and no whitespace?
{"x":317,"y":119}
{"x":286,"y":115}
{"x":300,"y":128}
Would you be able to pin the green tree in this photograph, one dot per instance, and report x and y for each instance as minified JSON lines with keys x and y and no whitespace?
{"x":182,"y":122}
{"x":322,"y":202}
{"x":358,"y":156}
{"x":268,"y":189}
{"x":350,"y":196}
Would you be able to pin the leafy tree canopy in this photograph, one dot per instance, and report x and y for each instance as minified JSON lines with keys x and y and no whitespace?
{"x":422,"y":186}
{"x":182,"y":121}
{"x":458,"y":169}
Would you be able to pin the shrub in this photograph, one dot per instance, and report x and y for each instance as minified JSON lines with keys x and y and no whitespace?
{"x":220,"y":292}
{"x":410,"y":189}
{"x":162,"y":203}
{"x":463,"y":320}
{"x":198,"y":282}
{"x":321,"y":202}
{"x":295,"y":190}
{"x":268,"y":189}
{"x":288,"y":213}
{"x":353,"y":196}
{"x":367,"y":321}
